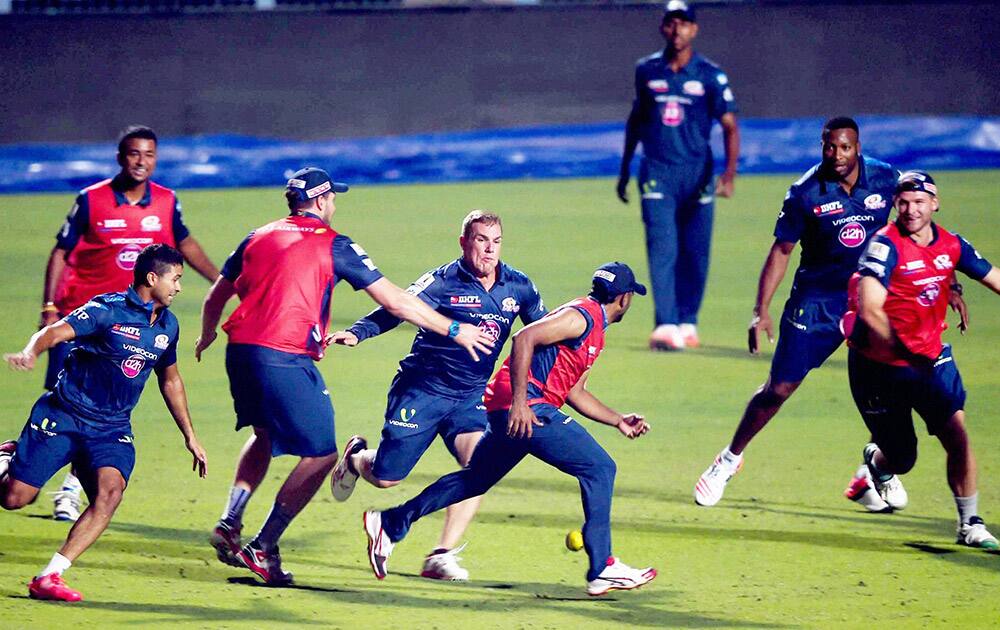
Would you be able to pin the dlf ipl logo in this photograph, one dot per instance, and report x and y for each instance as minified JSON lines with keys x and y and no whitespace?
{"x":132,"y":366}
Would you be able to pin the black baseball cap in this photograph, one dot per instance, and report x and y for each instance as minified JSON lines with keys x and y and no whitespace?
{"x":614,"y":278}
{"x":311,"y":182}
{"x":680,"y":9}
{"x":916,"y":181}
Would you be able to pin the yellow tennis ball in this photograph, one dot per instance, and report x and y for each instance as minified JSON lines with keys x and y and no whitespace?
{"x":574,"y":540}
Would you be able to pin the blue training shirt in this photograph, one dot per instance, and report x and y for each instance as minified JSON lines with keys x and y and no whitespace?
{"x":437,"y":363}
{"x":116,"y":349}
{"x":833,"y":225}
{"x":676,"y":110}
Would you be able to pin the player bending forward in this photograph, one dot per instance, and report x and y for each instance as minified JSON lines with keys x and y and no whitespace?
{"x":85,"y":420}
{"x":897,"y":362}
{"x":547,"y":367}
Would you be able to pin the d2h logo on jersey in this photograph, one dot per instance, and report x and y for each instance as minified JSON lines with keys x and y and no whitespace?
{"x":852,"y":234}
{"x":127,"y":256}
{"x":132,"y":366}
{"x":673,"y":114}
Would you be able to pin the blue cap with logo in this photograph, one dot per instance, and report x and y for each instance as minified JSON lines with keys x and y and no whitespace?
{"x":679,"y":9}
{"x":916,"y":181}
{"x":311,"y":182}
{"x":614,"y":278}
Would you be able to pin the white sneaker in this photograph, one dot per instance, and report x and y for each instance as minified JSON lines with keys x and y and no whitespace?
{"x":689,"y":333}
{"x":342,"y":479}
{"x":666,"y":337}
{"x":444,"y":566}
{"x":618,"y":576}
{"x":6,"y":454}
{"x":712,"y":483}
{"x":379,"y":545}
{"x":861,"y":490}
{"x":891,"y":490}
{"x":975,"y":534}
{"x":65,"y":505}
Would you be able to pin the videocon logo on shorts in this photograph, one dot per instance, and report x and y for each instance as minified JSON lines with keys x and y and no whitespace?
{"x":132,"y":366}
{"x":852,"y":234}
{"x":127,"y":256}
{"x":491,"y":328}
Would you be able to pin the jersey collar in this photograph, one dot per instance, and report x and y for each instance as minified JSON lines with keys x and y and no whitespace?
{"x":119,"y":191}
{"x":468,"y":276}
{"x":604,"y":313}
{"x":860,"y":184}
{"x":136,"y":302}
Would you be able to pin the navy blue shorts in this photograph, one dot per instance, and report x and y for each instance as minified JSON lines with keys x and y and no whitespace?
{"x":413,"y":418}
{"x":808,"y":335}
{"x":54,"y":437}
{"x":886,"y":396}
{"x":283,"y":393}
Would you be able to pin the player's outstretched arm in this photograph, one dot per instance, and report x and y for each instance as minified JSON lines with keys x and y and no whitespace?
{"x":992,"y":280}
{"x":412,"y":309}
{"x":211,"y":312}
{"x":197,"y":258}
{"x":174,"y":395}
{"x":771,"y":275}
{"x":631,"y":425}
{"x":39,"y":343}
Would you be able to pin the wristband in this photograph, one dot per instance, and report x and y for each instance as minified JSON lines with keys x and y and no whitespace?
{"x":453,"y":330}
{"x":957,"y":288}
{"x":49,"y":307}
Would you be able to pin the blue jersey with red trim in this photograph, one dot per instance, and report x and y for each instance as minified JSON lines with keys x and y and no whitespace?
{"x":555,"y":368}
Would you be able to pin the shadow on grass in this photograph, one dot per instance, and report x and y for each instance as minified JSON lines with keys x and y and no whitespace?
{"x":148,"y":613}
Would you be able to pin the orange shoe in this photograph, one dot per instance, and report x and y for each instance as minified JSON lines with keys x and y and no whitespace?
{"x":690,"y":335}
{"x":52,"y":587}
{"x":666,"y":337}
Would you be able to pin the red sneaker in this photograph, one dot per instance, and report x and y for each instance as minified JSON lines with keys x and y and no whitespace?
{"x":267,"y":565}
{"x":51,"y":586}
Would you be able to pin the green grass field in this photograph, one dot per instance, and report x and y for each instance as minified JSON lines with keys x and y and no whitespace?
{"x":783,"y":549}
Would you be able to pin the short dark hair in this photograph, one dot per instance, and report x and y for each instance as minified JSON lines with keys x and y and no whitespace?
{"x":841,"y":122}
{"x":158,"y":258}
{"x":601,"y":295}
{"x":135,"y":131}
{"x":295,"y":203}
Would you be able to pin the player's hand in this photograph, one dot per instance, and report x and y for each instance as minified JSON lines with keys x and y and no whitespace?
{"x":341,"y":338}
{"x":200,"y":461}
{"x":632,"y":425}
{"x":48,"y":318}
{"x":20,"y":361}
{"x":957,"y":304}
{"x":726,"y":184}
{"x":520,"y":421}
{"x":203,"y":342}
{"x":622,"y":187}
{"x":761,"y":321}
{"x":475,"y":340}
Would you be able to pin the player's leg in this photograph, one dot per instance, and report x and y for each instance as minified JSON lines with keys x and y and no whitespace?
{"x":65,"y":501}
{"x":251,"y":468}
{"x":694,"y":238}
{"x":567,"y":446}
{"x":659,"y":216}
{"x":45,"y":445}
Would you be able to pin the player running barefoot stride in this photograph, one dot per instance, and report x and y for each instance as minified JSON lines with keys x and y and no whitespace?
{"x":121,"y":338}
{"x":547,"y":367}
{"x":897,"y":362}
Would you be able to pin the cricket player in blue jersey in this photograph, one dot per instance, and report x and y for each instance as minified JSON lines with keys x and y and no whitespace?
{"x":678,"y":95}
{"x":436,"y":390}
{"x":121,"y":338}
{"x":833,"y":210}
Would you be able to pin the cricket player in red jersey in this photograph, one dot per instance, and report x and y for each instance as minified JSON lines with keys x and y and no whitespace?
{"x":96,"y":249}
{"x":897,"y":362}
{"x":284,"y":273}
{"x":547,"y":367}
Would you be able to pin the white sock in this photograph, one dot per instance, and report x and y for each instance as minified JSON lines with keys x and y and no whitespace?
{"x":57,"y":565}
{"x":729,"y":458}
{"x":366,"y":458}
{"x":71,"y":483}
{"x":967,"y":507}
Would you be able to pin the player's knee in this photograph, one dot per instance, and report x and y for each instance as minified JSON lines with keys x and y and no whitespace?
{"x":775,"y":394}
{"x":385,"y":483}
{"x":109,"y":497}
{"x":11,"y":501}
{"x":901,"y":460}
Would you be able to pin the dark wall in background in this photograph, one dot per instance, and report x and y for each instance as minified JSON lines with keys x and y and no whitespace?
{"x":321,"y":75}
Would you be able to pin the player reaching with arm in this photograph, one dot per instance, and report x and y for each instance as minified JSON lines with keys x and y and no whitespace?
{"x":547,"y":367}
{"x":85,"y":420}
{"x":897,"y":361}
{"x":284,"y":274}
{"x":438,"y":389}
{"x":96,"y":250}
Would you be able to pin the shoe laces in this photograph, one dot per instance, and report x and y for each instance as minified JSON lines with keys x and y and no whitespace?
{"x":66,"y":495}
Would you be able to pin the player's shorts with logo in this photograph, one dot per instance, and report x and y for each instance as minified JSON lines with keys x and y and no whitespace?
{"x":414,"y":417}
{"x":285,"y":394}
{"x":809,"y":333}
{"x":54,"y":436}
{"x":886,"y":396}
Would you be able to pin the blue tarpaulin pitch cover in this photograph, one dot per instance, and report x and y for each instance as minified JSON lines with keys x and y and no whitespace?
{"x":591,"y":150}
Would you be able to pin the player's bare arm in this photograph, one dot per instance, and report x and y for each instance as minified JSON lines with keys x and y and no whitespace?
{"x":39,"y":343}
{"x":631,"y":142}
{"x":770,"y":277}
{"x":197,"y":258}
{"x":410,"y":308}
{"x":175,"y":397}
{"x":871,"y":310}
{"x":631,"y":425}
{"x":566,"y":324}
{"x":731,"y":144}
{"x":53,"y":271}
{"x":992,"y":280}
{"x":211,"y":311}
